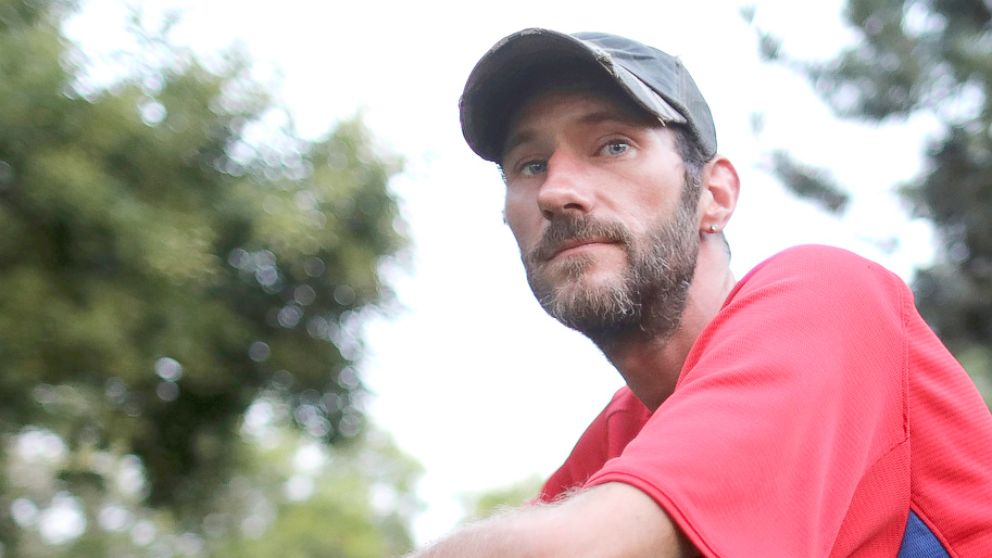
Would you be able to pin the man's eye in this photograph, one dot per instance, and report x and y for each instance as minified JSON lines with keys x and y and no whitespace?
{"x":615,"y":147}
{"x":533,"y":168}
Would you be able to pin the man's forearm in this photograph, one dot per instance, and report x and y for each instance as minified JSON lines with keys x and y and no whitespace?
{"x":612,"y":520}
{"x":520,"y":532}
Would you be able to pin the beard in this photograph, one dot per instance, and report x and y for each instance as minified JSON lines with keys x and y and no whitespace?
{"x":649,"y":296}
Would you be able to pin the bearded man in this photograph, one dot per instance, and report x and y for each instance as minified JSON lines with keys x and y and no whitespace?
{"x":804,"y":410}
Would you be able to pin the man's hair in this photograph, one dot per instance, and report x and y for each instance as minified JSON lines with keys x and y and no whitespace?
{"x":692,"y":155}
{"x":693,"y":159}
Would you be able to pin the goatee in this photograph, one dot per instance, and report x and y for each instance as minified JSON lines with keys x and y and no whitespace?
{"x":646,"y":300}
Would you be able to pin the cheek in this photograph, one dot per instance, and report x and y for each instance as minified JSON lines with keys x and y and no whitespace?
{"x":524,"y":221}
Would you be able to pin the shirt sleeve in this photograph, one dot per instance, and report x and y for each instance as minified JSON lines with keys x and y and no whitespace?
{"x":784,"y":403}
{"x":604,"y":438}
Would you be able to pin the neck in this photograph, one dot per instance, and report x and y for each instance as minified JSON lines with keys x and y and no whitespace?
{"x":651,"y":364}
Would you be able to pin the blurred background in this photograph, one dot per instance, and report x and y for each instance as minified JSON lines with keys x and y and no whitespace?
{"x":256,"y":296}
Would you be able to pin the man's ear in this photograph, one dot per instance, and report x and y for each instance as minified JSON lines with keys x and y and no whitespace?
{"x":720,"y":189}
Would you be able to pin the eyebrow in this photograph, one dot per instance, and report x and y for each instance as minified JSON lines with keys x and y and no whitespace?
{"x":592,"y":118}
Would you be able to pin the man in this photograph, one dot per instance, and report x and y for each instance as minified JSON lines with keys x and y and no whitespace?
{"x":805,"y":410}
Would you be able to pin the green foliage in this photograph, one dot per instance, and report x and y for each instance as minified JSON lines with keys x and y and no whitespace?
{"x":161,"y":270}
{"x":934,"y":56}
{"x":808,"y":182}
{"x":479,"y":506}
{"x":290,"y":497}
{"x":359,"y":507}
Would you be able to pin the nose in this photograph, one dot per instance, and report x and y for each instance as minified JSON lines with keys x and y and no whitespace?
{"x":565,"y":188}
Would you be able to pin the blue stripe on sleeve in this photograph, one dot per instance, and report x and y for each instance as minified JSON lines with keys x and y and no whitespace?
{"x":919,"y":541}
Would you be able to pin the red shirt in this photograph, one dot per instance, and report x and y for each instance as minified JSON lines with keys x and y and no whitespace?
{"x":811,"y":417}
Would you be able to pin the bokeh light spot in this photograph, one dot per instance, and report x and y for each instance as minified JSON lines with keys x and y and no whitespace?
{"x":115,"y":391}
{"x":190,"y":544}
{"x":143,"y":533}
{"x":167,"y":391}
{"x":314,"y":267}
{"x":239,"y":258}
{"x":332,"y":402}
{"x":267,"y":276}
{"x":348,"y":378}
{"x":283,"y":379}
{"x":259,"y":351}
{"x":350,"y":425}
{"x":168,"y":369}
{"x":24,"y":512}
{"x":304,"y":295}
{"x":289,"y":316}
{"x":299,"y":487}
{"x":152,"y":113}
{"x":344,"y":295}
{"x":113,"y":518}
{"x":35,"y":444}
{"x":130,"y":478}
{"x":63,"y":521}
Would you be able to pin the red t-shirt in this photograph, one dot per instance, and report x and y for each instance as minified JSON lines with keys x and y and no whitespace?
{"x":816,"y":415}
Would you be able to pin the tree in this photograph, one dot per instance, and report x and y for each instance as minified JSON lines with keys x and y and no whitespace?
{"x":162,"y":271}
{"x":290,"y":496}
{"x":930,"y":56}
{"x":359,"y":506}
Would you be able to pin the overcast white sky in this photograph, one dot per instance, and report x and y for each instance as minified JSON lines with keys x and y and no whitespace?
{"x":470,"y":376}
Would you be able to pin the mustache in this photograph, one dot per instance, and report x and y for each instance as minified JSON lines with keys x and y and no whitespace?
{"x":572,"y":229}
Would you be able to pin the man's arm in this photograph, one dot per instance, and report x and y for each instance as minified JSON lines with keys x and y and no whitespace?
{"x":613,"y":519}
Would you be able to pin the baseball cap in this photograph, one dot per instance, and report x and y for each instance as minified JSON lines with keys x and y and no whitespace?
{"x":654,"y":80}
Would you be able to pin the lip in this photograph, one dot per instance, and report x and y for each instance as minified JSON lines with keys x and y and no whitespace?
{"x":574,"y":244}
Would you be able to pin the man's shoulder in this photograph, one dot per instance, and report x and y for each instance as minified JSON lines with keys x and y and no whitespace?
{"x":827,"y":266}
{"x":822,"y":281}
{"x":819,"y":256}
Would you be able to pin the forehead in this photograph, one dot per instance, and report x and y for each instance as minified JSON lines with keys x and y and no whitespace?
{"x":572,"y":106}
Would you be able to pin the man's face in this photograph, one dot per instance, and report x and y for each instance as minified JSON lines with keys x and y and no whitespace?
{"x":596,"y":199}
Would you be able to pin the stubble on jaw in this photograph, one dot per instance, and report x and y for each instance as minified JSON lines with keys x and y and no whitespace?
{"x":557,"y":285}
{"x":644,"y":301}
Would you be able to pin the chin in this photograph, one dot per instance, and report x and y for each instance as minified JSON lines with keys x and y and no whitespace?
{"x":592,"y":280}
{"x":591,"y":290}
